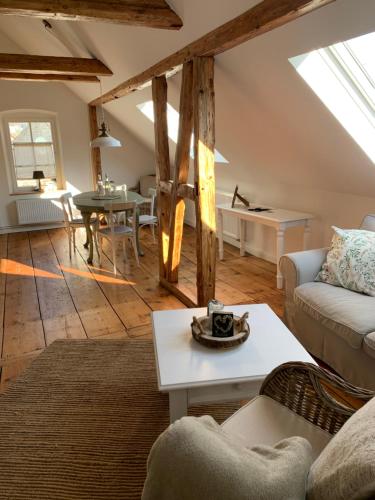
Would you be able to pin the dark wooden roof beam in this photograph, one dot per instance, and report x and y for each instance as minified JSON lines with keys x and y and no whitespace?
{"x":25,"y":63}
{"x":148,"y":13}
{"x":47,"y":77}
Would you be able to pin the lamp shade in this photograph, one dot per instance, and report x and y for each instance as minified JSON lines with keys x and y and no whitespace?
{"x":104,"y":140}
{"x":38,"y":174}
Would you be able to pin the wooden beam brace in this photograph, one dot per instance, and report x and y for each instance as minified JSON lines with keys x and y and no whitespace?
{"x":138,"y":83}
{"x":263,"y":17}
{"x":25,"y":63}
{"x":166,"y":186}
{"x":150,"y":13}
{"x":47,"y":77}
{"x":181,"y":172}
{"x":96,"y":160}
{"x":186,"y":191}
{"x":204,"y":171}
{"x":159,"y":96}
{"x":183,"y":190}
{"x":173,"y":288}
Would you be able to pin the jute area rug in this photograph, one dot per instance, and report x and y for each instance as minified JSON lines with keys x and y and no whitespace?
{"x":80,"y":422}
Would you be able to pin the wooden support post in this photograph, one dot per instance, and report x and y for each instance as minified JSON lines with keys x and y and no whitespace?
{"x":181,"y":172}
{"x":159,"y":96}
{"x":96,"y":161}
{"x":204,"y":170}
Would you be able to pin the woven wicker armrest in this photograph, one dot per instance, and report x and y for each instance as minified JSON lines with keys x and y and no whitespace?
{"x":315,"y":394}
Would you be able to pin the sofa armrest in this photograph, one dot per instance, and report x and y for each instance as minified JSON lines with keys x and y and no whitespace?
{"x":301,"y":267}
{"x":315,"y":394}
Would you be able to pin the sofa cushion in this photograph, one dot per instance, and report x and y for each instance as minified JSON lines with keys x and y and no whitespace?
{"x":368,"y":222}
{"x":351,"y":261}
{"x":369,"y":344}
{"x":349,"y":314}
{"x":264,"y":420}
{"x":346,"y":467}
{"x":195,"y":459}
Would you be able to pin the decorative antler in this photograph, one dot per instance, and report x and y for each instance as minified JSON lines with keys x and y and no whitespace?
{"x":241,"y":198}
{"x":198,"y":325}
{"x":241,"y":322}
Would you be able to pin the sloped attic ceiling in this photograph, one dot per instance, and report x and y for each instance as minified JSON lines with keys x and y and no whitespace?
{"x":269,"y":124}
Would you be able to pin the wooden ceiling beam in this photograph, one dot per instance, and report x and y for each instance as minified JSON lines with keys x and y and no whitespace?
{"x":263,"y":17}
{"x":149,"y":13}
{"x":47,"y":77}
{"x":25,"y":63}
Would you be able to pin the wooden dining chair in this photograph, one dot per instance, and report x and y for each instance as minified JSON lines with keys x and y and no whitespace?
{"x":119,"y":232}
{"x":73,"y":222}
{"x":149,"y":219}
{"x":120,"y":216}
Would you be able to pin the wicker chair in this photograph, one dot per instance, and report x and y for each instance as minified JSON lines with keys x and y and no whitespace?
{"x":291,"y":391}
{"x":315,"y":394}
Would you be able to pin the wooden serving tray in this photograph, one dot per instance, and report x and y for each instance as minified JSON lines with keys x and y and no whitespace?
{"x":201,"y":329}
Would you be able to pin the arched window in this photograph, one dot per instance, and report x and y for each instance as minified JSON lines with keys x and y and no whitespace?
{"x":31,"y":145}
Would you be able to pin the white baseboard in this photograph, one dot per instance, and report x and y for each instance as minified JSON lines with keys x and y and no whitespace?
{"x":231,"y":238}
{"x":29,"y":227}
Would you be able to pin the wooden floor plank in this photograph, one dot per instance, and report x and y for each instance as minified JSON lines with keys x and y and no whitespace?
{"x":97,"y":315}
{"x":129,"y":306}
{"x":14,"y":367}
{"x":146,"y":282}
{"x":59,"y":316}
{"x":23,"y":328}
{"x":40,"y":287}
{"x":227,"y":292}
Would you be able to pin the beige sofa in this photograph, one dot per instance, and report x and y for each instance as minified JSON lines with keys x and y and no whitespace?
{"x":334,"y":324}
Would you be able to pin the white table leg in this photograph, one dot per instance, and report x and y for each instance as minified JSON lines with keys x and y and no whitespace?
{"x":220,"y":230}
{"x":178,"y":404}
{"x":280,"y":242}
{"x":242,"y":237}
{"x":307,"y":235}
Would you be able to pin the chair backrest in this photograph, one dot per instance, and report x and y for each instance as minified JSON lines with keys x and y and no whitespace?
{"x":368,"y":222}
{"x":114,"y":206}
{"x":152,"y":195}
{"x":146,"y":182}
{"x":66,"y":204}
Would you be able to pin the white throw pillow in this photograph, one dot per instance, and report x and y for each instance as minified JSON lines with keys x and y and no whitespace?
{"x":196,"y":459}
{"x":351,"y":261}
{"x":345,"y":470}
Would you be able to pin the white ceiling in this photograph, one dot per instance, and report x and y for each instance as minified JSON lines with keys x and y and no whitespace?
{"x":269,"y":124}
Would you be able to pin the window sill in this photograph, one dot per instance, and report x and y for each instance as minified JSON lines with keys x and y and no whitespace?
{"x":43,"y":194}
{"x":25,"y":192}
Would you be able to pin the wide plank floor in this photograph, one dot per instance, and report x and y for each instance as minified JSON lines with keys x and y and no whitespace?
{"x":45,"y":295}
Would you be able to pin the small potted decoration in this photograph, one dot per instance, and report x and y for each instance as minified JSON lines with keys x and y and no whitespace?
{"x":220,"y":329}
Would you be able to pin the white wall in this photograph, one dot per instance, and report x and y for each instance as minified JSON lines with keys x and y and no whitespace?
{"x":124,"y":165}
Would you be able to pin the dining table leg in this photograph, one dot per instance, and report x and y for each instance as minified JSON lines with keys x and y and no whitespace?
{"x":139,"y":248}
{"x":86,"y":216}
{"x":87,"y":243}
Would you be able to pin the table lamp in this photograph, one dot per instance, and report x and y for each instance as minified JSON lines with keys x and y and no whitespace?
{"x":37,"y":175}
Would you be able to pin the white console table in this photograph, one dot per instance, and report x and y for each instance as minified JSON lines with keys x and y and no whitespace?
{"x":277,"y":218}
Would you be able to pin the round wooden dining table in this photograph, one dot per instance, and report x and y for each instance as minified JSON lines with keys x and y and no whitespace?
{"x":87,"y":205}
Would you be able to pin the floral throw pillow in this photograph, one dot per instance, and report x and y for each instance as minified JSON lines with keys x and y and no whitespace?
{"x":351,"y":261}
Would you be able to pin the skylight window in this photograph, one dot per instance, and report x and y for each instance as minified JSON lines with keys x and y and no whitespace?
{"x":343,"y":77}
{"x":147,"y":108}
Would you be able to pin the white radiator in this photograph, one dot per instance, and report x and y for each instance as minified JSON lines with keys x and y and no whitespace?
{"x":37,"y":211}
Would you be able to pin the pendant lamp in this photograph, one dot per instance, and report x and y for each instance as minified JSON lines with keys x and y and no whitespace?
{"x":104,"y":139}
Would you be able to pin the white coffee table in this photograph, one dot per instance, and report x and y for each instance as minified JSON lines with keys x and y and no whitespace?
{"x":194,"y":374}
